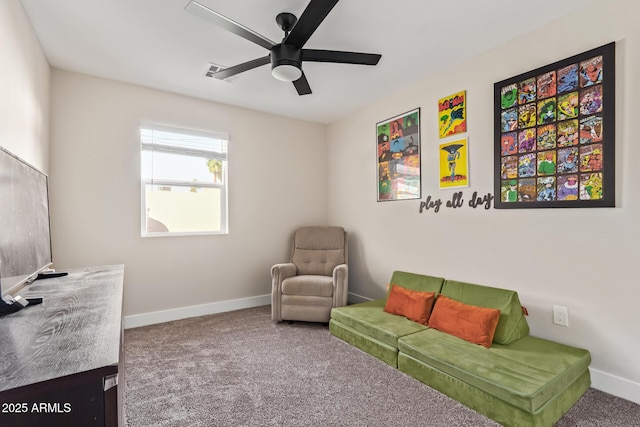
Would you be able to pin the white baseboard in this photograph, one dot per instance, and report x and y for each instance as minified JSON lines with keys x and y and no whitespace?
{"x":618,"y":386}
{"x":137,"y":320}
{"x":355,"y":298}
{"x":145,"y":319}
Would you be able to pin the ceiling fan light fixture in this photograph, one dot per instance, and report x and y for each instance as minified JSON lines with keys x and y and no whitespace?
{"x":286,"y":73}
{"x":286,"y":62}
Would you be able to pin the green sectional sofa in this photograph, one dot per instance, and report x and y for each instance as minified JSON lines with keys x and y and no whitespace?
{"x":519,"y":381}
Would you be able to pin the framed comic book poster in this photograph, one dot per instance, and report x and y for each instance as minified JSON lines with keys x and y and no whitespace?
{"x":452,"y":114}
{"x":454,"y":164}
{"x":398,"y":151}
{"x":554,"y":143}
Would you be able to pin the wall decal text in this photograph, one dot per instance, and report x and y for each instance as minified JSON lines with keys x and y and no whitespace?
{"x":457,"y":201}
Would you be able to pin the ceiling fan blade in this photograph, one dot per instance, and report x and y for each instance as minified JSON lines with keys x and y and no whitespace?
{"x":302,"y":85}
{"x":223,"y":22}
{"x":310,"y":19}
{"x":241,"y":68}
{"x":316,"y":55}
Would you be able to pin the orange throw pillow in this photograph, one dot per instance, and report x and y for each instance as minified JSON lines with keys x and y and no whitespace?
{"x":413,"y":305}
{"x":469,"y":322}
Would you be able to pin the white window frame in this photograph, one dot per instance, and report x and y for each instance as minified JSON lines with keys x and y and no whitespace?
{"x":224,"y":225}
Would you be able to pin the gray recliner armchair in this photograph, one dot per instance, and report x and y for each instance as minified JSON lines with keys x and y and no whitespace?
{"x":315,"y":280}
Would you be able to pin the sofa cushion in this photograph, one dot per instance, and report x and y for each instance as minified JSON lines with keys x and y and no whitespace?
{"x":512,"y":324}
{"x":413,"y":305}
{"x":469,"y":322}
{"x":416,"y":282}
{"x":526,"y":373}
{"x":369,"y":318}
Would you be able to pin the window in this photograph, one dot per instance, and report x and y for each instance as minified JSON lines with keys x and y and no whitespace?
{"x":184,"y":181}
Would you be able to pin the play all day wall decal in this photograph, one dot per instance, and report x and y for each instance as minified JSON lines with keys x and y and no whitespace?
{"x":457,"y":200}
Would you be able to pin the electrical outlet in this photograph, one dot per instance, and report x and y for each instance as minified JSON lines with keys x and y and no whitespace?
{"x":560,"y":315}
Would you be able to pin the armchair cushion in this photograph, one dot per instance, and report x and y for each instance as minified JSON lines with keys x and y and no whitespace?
{"x":318,"y":250}
{"x":310,"y":285}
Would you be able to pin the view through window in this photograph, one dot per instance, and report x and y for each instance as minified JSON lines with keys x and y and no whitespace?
{"x":184,"y":181}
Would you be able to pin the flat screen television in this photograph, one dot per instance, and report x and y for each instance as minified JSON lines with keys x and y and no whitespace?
{"x":25,"y":232}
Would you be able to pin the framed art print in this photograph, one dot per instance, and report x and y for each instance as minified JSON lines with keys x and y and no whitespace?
{"x":454,"y":164}
{"x":452,"y":114}
{"x":398,"y":152}
{"x":554,"y":142}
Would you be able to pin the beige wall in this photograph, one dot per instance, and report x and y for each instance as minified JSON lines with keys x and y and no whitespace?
{"x":276,"y":170}
{"x":24,"y":88}
{"x":583,"y":259}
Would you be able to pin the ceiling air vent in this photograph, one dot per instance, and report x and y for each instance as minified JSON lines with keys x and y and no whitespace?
{"x":212,"y":69}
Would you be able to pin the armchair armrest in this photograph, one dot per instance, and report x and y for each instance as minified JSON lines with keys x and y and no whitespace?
{"x":279,"y":272}
{"x":341,"y":285}
{"x":284,"y":270}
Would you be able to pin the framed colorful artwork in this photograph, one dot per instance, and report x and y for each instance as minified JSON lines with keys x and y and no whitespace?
{"x":454,"y":164}
{"x":452,"y":114}
{"x":554,"y":143}
{"x":398,"y":151}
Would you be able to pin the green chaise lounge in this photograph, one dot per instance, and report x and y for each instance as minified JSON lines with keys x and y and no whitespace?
{"x":519,"y":380}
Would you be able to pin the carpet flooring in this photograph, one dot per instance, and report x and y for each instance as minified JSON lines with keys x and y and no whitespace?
{"x":240,"y":369}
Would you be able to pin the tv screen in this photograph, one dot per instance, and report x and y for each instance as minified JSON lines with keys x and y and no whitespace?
{"x":25,"y":234}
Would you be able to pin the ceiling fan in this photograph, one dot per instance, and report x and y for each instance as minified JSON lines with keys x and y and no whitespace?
{"x":287,"y":56}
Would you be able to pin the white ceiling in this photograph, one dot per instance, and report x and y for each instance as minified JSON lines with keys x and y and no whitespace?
{"x":156,"y":43}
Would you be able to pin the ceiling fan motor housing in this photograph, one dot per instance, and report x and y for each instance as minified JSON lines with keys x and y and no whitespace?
{"x":286,"y":54}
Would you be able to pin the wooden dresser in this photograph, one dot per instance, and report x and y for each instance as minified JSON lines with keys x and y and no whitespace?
{"x":61,"y":361}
